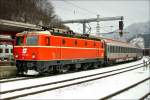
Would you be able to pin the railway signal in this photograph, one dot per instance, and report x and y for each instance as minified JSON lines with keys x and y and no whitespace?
{"x":121,"y":28}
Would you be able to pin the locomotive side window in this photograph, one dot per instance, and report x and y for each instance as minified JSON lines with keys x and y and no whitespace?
{"x":94,"y":44}
{"x":19,"y":40}
{"x":63,"y":41}
{"x":75,"y":42}
{"x":32,"y":40}
{"x":85,"y":43}
{"x":47,"y":41}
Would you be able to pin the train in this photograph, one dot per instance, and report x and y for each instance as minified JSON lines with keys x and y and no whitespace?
{"x":6,"y":52}
{"x":40,"y":52}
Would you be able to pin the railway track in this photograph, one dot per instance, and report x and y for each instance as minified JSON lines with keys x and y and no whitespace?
{"x":126,"y":89}
{"x":147,"y":95}
{"x":15,"y":79}
{"x":30,"y":90}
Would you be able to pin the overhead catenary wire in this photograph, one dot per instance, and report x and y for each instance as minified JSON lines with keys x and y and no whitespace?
{"x":72,"y":10}
{"x":79,"y":7}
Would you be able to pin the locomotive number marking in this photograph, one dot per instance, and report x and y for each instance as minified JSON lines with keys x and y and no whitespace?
{"x":24,"y":50}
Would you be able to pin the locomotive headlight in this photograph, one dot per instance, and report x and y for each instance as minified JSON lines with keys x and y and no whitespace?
{"x":33,"y":56}
{"x":16,"y":56}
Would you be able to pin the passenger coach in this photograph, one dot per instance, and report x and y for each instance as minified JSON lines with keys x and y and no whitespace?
{"x":117,"y":51}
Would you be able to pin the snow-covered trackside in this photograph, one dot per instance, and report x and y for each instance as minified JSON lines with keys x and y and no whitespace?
{"x":100,"y":88}
{"x":97,"y":89}
{"x":12,"y":79}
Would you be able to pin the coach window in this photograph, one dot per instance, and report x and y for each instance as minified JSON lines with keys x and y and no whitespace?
{"x":47,"y":40}
{"x":120,"y":49}
{"x":117,"y":49}
{"x":125,"y":49}
{"x":11,"y":50}
{"x":108,"y":48}
{"x":6,"y":51}
{"x":111,"y":49}
{"x":130,"y":50}
{"x":114,"y":49}
{"x":1,"y":50}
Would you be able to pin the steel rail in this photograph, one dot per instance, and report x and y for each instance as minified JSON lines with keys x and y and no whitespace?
{"x":25,"y":78}
{"x":145,"y":96}
{"x":67,"y":85}
{"x":29,"y":87}
{"x":123,"y":90}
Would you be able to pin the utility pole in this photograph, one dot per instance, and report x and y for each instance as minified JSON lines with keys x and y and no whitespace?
{"x":98,"y":27}
{"x":84,"y":28}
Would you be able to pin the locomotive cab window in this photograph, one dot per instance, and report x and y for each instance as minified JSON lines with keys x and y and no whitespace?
{"x":19,"y":40}
{"x":32,"y":40}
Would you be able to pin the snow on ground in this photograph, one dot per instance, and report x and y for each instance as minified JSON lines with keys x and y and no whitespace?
{"x":137,"y":92}
{"x":99,"y":88}
{"x":90,"y":90}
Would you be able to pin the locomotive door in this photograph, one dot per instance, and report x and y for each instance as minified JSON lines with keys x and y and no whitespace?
{"x":55,"y":43}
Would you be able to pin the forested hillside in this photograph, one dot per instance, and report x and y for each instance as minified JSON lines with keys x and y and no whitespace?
{"x":39,"y":12}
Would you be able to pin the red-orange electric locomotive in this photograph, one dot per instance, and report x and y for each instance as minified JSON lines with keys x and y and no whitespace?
{"x":44,"y":52}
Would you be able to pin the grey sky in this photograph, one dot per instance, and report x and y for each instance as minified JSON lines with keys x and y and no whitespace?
{"x":132,"y":10}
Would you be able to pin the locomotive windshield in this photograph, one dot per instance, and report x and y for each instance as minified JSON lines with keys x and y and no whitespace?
{"x":32,"y":40}
{"x":19,"y":40}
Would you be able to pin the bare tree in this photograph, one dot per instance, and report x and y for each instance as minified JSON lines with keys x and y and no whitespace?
{"x":40,"y":12}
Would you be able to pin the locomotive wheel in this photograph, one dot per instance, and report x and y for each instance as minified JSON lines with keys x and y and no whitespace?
{"x":95,"y":65}
{"x":61,"y":68}
{"x":65,"y":68}
{"x":85,"y":66}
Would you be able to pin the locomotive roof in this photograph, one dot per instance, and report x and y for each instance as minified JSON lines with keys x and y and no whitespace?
{"x":33,"y":32}
{"x":81,"y":36}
